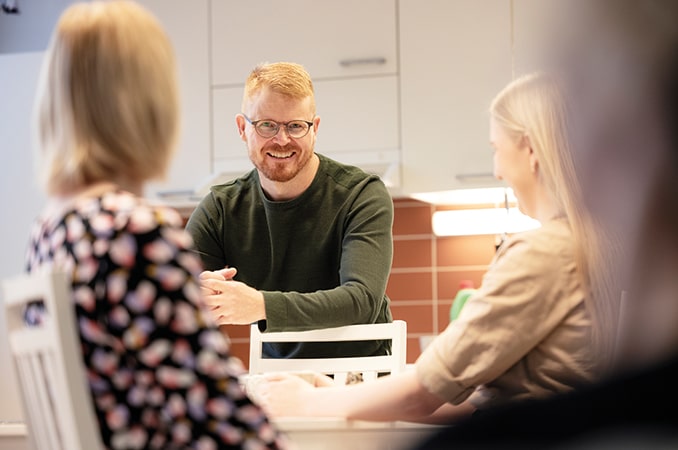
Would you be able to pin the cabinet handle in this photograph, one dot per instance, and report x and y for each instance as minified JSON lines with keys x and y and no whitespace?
{"x":377,"y":61}
{"x":469,"y":177}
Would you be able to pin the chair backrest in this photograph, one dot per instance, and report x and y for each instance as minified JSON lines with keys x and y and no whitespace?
{"x":368,"y":366}
{"x":48,"y":363}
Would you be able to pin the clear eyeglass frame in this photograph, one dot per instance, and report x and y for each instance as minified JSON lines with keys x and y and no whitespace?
{"x":267,"y":128}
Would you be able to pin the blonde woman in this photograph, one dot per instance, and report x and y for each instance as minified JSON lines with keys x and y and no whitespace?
{"x":527,"y":332}
{"x":159,"y":370}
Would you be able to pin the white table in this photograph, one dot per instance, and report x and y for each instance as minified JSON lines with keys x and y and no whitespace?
{"x":340,"y":434}
{"x":305,"y":433}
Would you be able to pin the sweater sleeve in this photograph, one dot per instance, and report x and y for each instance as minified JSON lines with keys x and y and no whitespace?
{"x":205,"y":226}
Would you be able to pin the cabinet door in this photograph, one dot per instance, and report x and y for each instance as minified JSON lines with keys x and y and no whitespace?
{"x":187,"y":27}
{"x":345,"y":38}
{"x":455,"y":56}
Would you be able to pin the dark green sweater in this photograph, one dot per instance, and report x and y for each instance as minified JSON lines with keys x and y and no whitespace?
{"x":321,"y":259}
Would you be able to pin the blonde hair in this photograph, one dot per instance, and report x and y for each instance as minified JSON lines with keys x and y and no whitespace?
{"x":285,"y":78}
{"x":534,"y":106}
{"x":107,"y":107}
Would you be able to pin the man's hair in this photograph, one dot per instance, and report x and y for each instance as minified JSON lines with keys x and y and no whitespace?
{"x":284,"y":78}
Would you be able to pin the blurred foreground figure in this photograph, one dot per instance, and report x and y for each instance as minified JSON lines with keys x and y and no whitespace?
{"x":622,"y":67}
{"x":159,"y":370}
{"x":620,"y":60}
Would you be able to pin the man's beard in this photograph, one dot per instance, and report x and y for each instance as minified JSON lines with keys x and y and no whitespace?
{"x":282,"y":171}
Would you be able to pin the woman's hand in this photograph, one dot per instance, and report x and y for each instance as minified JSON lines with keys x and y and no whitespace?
{"x":285,"y":394}
{"x":320,"y":380}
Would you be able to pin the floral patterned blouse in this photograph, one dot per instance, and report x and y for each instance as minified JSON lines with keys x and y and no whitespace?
{"x":159,"y":370}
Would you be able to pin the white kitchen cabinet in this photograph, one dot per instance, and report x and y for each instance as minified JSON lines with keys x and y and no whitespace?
{"x":455,"y":55}
{"x":332,"y":39}
{"x":187,"y":25}
{"x":348,"y":47}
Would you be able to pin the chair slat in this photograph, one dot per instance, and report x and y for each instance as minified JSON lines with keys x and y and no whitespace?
{"x":46,"y":410}
{"x":34,"y":414}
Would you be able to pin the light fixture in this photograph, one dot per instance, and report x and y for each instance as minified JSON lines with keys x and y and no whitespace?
{"x":476,"y":196}
{"x":466,"y":222}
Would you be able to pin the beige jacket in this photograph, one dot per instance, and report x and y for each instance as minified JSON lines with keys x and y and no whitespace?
{"x":525,"y":332}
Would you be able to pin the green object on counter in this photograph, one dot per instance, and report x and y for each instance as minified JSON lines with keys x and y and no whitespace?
{"x":459,"y":301}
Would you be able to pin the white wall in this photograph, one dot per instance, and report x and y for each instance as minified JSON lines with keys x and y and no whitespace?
{"x":20,"y":198}
{"x":30,"y":29}
{"x":186,"y":24}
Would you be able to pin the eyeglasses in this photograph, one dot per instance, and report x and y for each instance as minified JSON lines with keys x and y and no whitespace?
{"x":296,"y":129}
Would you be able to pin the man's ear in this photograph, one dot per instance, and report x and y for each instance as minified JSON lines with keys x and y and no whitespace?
{"x":240,"y":123}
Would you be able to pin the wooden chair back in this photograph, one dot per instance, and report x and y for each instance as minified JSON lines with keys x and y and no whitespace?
{"x":368,"y":366}
{"x":48,"y":363}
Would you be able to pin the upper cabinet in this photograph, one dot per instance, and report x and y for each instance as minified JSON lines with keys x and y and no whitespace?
{"x":331,"y":39}
{"x":348,"y":47}
{"x":186,"y":24}
{"x":455,"y":56}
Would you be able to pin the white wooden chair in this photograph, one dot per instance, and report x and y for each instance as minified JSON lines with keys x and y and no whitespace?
{"x":48,"y":363}
{"x":368,"y":366}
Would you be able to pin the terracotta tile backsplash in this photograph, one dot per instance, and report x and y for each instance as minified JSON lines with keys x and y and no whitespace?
{"x":427,"y":270}
{"x":411,"y":286}
{"x":412,"y":251}
{"x":425,"y":275}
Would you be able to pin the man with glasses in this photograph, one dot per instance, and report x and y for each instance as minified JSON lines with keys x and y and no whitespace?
{"x":301,"y":241}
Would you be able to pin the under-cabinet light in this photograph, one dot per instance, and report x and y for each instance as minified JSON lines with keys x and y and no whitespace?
{"x":476,"y":196}
{"x":466,"y":222}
